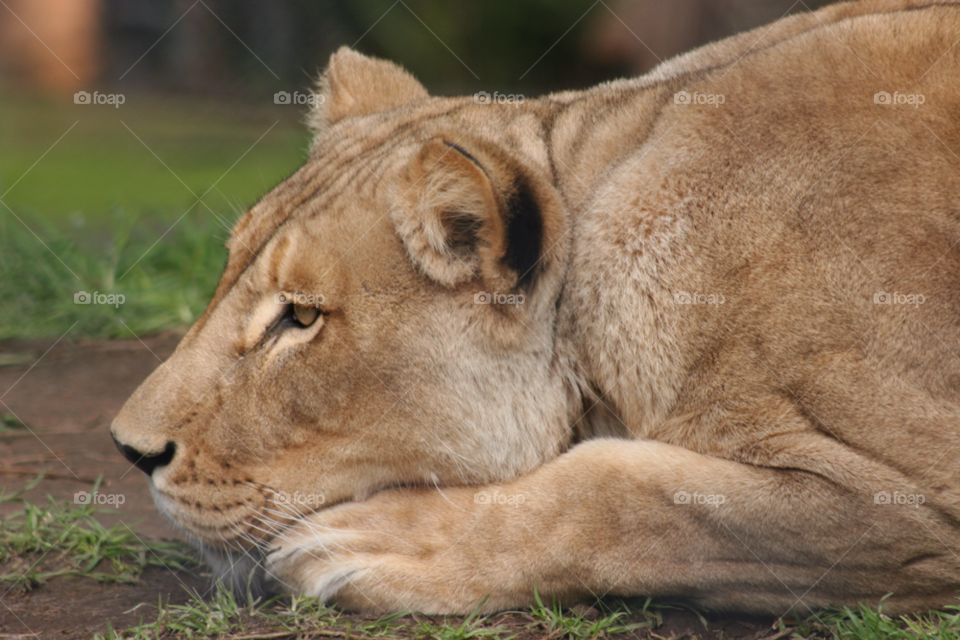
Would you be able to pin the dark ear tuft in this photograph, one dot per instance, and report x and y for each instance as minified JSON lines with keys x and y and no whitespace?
{"x":524,"y":232}
{"x":473,"y":211}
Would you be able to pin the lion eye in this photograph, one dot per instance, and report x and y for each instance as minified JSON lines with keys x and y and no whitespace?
{"x":305,"y":315}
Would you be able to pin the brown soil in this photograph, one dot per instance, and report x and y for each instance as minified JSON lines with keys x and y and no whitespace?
{"x":67,"y":394}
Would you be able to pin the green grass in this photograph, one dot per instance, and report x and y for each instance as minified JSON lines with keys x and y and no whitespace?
{"x":10,"y":423}
{"x":108,"y":158}
{"x":99,"y":212}
{"x":470,"y":627}
{"x":866,"y":623}
{"x":575,"y":625}
{"x":163,"y":284}
{"x":43,"y":541}
{"x":222,"y":616}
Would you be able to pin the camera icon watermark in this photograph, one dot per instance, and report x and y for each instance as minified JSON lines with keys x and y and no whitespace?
{"x":482,"y":97}
{"x":912,"y":99}
{"x":898,"y":498}
{"x":712,"y":499}
{"x":97,"y":498}
{"x":685,"y":297}
{"x":513,"y":299}
{"x":115,"y":299}
{"x":510,"y":499}
{"x":115,"y":99}
{"x":710,"y":99}
{"x":298,"y":498}
{"x":298,"y":98}
{"x":910,"y":299}
{"x":298,"y":298}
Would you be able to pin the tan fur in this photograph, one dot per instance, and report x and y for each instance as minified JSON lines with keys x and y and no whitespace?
{"x":444,"y":436}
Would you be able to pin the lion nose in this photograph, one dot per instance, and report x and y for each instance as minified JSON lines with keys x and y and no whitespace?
{"x":147,"y":462}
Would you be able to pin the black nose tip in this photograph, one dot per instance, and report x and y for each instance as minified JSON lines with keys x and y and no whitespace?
{"x":147,"y":462}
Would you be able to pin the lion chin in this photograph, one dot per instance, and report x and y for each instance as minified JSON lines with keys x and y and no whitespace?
{"x":690,"y":334}
{"x":236,"y":558}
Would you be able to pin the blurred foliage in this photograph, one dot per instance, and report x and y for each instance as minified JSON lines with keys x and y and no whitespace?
{"x":453,"y":47}
{"x":136,"y":156}
{"x":499,"y":41}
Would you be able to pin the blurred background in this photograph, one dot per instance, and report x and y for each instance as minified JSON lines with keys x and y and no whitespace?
{"x":132,"y":189}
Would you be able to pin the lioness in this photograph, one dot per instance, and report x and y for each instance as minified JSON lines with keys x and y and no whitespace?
{"x":695,"y":334}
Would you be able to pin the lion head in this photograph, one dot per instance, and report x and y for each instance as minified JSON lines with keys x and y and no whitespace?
{"x":386,"y":318}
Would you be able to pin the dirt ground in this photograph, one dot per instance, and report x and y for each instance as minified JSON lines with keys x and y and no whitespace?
{"x":68,"y":398}
{"x":68,"y":393}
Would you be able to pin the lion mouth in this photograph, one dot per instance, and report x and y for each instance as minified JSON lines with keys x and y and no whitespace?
{"x":240,"y":524}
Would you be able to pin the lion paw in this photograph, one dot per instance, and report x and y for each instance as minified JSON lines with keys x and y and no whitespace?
{"x":396,"y":551}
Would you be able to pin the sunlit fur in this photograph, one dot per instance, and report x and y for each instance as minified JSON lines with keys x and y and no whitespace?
{"x":797,"y":399}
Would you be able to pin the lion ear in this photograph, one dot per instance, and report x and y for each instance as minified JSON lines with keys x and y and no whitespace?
{"x":355,"y":85}
{"x":468,"y":214}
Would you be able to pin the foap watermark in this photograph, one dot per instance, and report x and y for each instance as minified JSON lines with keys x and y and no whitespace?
{"x":482,"y":97}
{"x":299,"y":499}
{"x":684,"y":297}
{"x":711,"y":99}
{"x":911,"y":299}
{"x":115,"y":299}
{"x":85,"y":497}
{"x":912,"y":99}
{"x":511,"y":499}
{"x":513,"y":299}
{"x":899,"y":498}
{"x":302,"y":299}
{"x":712,"y":499}
{"x":309,"y":98}
{"x":115,"y":99}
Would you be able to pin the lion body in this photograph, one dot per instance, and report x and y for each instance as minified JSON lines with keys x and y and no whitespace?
{"x":736,"y":278}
